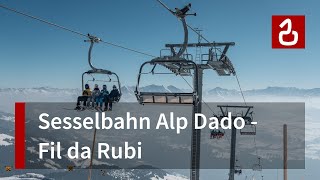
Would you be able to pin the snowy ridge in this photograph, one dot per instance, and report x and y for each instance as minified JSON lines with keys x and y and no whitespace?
{"x":129,"y":91}
{"x":6,"y":140}
{"x":7,"y":118}
{"x":29,"y":176}
{"x":47,"y":94}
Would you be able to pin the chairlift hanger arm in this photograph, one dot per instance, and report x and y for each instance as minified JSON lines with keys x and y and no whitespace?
{"x":221,"y":110}
{"x":92,"y":40}
{"x":248,"y":111}
{"x":119,"y":84}
{"x":234,"y":106}
{"x":154,"y":67}
{"x":185,"y":41}
{"x":180,"y":14}
{"x":213,"y":44}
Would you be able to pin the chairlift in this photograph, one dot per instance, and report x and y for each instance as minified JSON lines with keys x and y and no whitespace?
{"x":237,"y":168}
{"x":177,"y":64}
{"x":217,"y":134}
{"x":248,"y":129}
{"x":95,"y":71}
{"x":258,"y":166}
{"x":246,"y":114}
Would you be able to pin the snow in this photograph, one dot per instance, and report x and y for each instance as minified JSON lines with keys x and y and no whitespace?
{"x":7,"y":118}
{"x":32,"y":150}
{"x":34,"y":139}
{"x":49,"y":166}
{"x":27,"y":176}
{"x":169,"y":177}
{"x":85,"y":163}
{"x":4,"y":140}
{"x":52,"y":163}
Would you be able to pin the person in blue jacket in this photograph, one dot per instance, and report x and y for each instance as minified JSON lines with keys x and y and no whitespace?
{"x":104,"y":96}
{"x":113,"y":96}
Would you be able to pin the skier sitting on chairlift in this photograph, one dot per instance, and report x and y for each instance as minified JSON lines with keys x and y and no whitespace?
{"x":95,"y":96}
{"x":113,"y":96}
{"x":221,"y":134}
{"x":104,"y":96}
{"x":216,"y":134}
{"x":86,"y":95}
{"x":238,"y":171}
{"x":213,"y":134}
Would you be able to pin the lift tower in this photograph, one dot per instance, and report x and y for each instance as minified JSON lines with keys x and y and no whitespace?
{"x":246,"y":114}
{"x":179,"y":63}
{"x":214,"y":60}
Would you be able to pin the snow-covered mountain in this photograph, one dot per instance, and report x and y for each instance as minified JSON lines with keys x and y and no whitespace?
{"x":129,"y":91}
{"x":47,"y":94}
{"x":285,"y":91}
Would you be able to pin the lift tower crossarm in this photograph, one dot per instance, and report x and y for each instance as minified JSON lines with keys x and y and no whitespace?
{"x":214,"y":44}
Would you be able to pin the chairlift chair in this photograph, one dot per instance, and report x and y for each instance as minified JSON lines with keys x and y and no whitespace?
{"x":94,"y":71}
{"x":258,"y":166}
{"x":107,"y":80}
{"x":237,"y":168}
{"x":216,"y":134}
{"x":177,"y":66}
{"x":249,"y":129}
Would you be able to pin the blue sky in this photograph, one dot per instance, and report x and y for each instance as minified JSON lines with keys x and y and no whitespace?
{"x":34,"y":54}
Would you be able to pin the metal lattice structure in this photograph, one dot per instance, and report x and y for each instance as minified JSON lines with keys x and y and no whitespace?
{"x":178,"y":64}
{"x":246,"y":114}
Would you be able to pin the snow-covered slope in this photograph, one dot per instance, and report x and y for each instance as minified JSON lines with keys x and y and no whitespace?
{"x":28,"y":176}
{"x":6,"y":140}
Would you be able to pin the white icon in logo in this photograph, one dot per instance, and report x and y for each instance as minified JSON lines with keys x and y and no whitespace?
{"x":288,"y":31}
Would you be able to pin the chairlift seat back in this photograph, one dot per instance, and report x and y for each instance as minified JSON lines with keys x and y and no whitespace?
{"x":166,"y":98}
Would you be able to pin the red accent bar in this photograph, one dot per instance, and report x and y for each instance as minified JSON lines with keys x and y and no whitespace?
{"x":19,"y":140}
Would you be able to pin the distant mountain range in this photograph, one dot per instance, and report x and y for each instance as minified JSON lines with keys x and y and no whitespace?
{"x":9,"y":96}
{"x":128,"y":91}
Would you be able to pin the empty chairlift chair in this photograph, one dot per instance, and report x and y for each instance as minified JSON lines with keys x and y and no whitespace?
{"x":258,"y":166}
{"x":246,"y":114}
{"x":177,"y":66}
{"x":249,"y":129}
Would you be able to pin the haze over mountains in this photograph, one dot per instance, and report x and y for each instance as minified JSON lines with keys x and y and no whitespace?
{"x":129,"y":90}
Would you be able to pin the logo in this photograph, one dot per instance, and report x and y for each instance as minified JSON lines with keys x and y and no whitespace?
{"x":288,"y":32}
